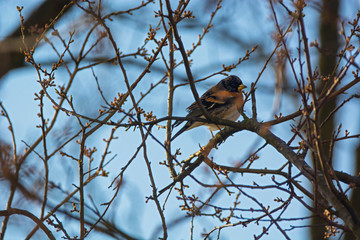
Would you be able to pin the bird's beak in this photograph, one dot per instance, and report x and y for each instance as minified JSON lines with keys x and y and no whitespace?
{"x":241,"y":87}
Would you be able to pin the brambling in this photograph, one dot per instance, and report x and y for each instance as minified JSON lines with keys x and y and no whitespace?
{"x":224,"y":100}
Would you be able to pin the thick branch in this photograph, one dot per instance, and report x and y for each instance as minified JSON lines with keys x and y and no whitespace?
{"x":342,"y":206}
{"x":31,"y":216}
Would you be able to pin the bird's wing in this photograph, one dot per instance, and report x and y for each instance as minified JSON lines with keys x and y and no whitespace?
{"x":210,"y":100}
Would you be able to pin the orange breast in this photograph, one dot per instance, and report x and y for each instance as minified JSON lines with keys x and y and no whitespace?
{"x":239,"y":101}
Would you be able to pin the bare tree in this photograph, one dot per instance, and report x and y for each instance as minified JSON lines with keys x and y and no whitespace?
{"x":111,"y":80}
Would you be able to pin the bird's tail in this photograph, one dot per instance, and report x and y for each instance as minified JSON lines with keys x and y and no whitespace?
{"x":183,"y":129}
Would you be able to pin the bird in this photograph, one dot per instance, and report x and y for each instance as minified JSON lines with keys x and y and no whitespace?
{"x":224,"y":100}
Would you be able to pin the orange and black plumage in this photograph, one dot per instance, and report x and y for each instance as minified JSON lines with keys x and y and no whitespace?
{"x":224,"y":100}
